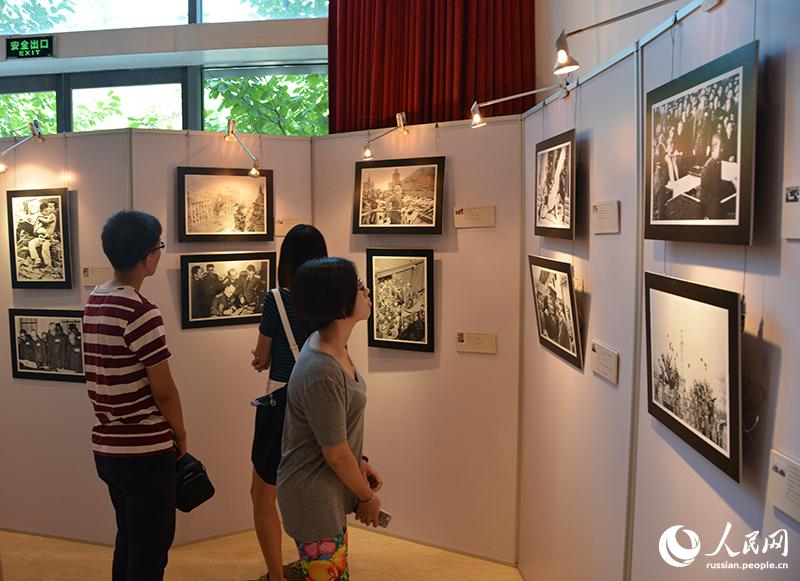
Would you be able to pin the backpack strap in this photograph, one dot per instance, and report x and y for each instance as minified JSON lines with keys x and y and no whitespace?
{"x":287,"y":328}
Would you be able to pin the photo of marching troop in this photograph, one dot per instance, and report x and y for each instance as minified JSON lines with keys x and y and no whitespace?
{"x":555,"y":185}
{"x":46,"y":344}
{"x":224,"y":204}
{"x":225,"y":289}
{"x":399,"y":196}
{"x":402,"y":299}
{"x":39,"y":238}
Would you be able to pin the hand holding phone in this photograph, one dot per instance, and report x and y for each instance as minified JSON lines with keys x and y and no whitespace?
{"x":384,"y":518}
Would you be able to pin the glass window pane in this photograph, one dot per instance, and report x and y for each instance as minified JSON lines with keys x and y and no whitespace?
{"x":32,"y":16}
{"x":295,"y":104}
{"x":244,"y":10}
{"x":150,"y":106}
{"x":19,"y":109}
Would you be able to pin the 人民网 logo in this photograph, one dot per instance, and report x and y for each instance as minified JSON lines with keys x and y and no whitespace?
{"x":673,"y":552}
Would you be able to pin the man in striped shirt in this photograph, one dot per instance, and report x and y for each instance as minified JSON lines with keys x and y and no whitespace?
{"x":139,"y":428}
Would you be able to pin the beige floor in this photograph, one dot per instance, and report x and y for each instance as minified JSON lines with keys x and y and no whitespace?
{"x":373,"y":557}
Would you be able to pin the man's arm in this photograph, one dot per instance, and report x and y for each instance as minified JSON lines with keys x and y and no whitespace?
{"x":165,"y":394}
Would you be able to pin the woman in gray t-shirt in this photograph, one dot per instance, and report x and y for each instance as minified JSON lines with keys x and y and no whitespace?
{"x":323,"y":475}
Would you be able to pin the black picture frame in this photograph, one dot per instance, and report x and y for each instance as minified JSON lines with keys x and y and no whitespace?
{"x":205,"y":299}
{"x":198,"y":209}
{"x":692,"y":192}
{"x":558,"y":323}
{"x":371,"y":170}
{"x":550,"y":151}
{"x":394,"y":285}
{"x":698,"y":356}
{"x":23,"y":224}
{"x":32,"y":361}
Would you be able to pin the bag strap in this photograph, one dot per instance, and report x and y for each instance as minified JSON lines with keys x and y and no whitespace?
{"x":287,"y":328}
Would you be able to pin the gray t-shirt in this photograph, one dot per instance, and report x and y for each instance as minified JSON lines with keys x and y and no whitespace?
{"x":324,"y":407}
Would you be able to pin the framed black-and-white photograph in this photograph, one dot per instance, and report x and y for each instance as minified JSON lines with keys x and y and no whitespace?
{"x":46,"y":344}
{"x":218,"y":204}
{"x":700,"y":152}
{"x":225,"y":288}
{"x":38,"y":235}
{"x":556,"y":308}
{"x":693,"y":366}
{"x":554,"y":206}
{"x":401,"y":282}
{"x":399,"y":196}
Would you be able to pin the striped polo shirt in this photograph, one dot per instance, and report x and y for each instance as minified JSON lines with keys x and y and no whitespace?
{"x":123,"y":335}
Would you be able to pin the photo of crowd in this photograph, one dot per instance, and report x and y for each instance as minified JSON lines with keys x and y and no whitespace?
{"x":553,"y":186}
{"x":38,"y":238}
{"x":399,"y":299}
{"x":48,"y":345}
{"x":391,"y":197}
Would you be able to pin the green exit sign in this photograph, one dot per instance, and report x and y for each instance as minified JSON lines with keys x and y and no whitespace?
{"x":27,"y":47}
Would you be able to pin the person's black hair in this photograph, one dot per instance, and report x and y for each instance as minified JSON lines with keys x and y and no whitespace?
{"x":128,"y":237}
{"x":325,"y":290}
{"x":251,"y":268}
{"x":196,"y":269}
{"x":303,"y":242}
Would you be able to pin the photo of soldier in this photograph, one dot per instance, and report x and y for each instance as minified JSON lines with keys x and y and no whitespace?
{"x":38,"y":238}
{"x":44,"y":346}
{"x":398,"y":196}
{"x":239,"y":293}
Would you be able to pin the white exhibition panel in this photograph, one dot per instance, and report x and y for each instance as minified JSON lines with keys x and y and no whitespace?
{"x":576,"y":425}
{"x":442,"y":427}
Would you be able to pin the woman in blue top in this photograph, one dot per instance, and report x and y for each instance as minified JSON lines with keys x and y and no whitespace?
{"x":274,"y":351}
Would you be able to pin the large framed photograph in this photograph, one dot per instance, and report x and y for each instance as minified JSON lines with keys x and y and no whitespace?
{"x":225,"y":288}
{"x":699,"y":152}
{"x":556,"y":308}
{"x":693,"y":366}
{"x":38,"y":235}
{"x":217,"y":204}
{"x":402,"y":299}
{"x":399,"y":196}
{"x":554,"y":206}
{"x":46,"y":344}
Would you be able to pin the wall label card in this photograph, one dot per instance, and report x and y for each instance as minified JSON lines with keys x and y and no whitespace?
{"x":283,"y":225}
{"x":605,"y":362}
{"x":791,"y":213}
{"x":783,"y":488}
{"x":605,"y":217}
{"x":476,"y":342}
{"x":94,"y":275}
{"x":482,"y":217}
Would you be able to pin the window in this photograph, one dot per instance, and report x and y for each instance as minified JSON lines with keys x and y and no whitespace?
{"x":277,"y":101}
{"x":240,"y":10}
{"x":35,"y":16}
{"x":151,"y":106}
{"x":19,"y":109}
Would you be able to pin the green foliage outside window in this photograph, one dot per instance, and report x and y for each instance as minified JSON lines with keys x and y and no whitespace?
{"x":19,"y":109}
{"x":290,"y":8}
{"x":32,"y":16}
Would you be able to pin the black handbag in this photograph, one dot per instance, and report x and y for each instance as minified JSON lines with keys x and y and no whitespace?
{"x":192,"y":482}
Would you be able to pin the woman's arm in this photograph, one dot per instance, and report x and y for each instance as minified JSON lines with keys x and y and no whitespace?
{"x":262,"y":354}
{"x":341,"y":459}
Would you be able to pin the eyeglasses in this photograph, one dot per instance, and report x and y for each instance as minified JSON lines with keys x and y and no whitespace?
{"x":161,"y":246}
{"x":361,"y":285}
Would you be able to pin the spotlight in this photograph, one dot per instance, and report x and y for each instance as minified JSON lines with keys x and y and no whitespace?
{"x":565,"y":63}
{"x":367,"y":154}
{"x":3,"y":168}
{"x":36,"y":134}
{"x":36,"y":131}
{"x":400,"y":119}
{"x":230,"y":136}
{"x":254,"y":173}
{"x":477,"y":121}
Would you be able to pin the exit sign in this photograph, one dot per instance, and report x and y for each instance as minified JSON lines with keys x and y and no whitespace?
{"x":26,"y":47}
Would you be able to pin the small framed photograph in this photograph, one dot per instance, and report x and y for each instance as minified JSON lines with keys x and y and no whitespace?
{"x":401,"y":282}
{"x":399,"y":196}
{"x":46,"y":344}
{"x":556,"y":308}
{"x":693,"y":366}
{"x":699,"y":152}
{"x":38,"y":236}
{"x":555,"y":186}
{"x":225,"y":288}
{"x":217,"y":204}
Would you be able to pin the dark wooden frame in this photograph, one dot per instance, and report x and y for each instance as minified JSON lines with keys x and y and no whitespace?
{"x":564,"y":268}
{"x":731,"y":302}
{"x":425,"y":254}
{"x":65,"y":219}
{"x":745,"y":57}
{"x":269,"y":215}
{"x":435,"y":228}
{"x":187,"y":259}
{"x":556,"y":140}
{"x":53,"y":313}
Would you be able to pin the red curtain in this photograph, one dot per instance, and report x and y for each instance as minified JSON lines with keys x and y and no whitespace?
{"x":429,"y":58}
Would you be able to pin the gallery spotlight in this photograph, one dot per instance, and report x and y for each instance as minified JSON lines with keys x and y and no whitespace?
{"x":476,"y":116}
{"x":475,"y":110}
{"x":36,"y":134}
{"x":254,"y":173}
{"x":3,"y":168}
{"x":231,"y":136}
{"x":400,"y":120}
{"x":565,"y":62}
{"x":367,"y":154}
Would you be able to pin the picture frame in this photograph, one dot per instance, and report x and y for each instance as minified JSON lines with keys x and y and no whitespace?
{"x":555,"y":308}
{"x":402,"y":314}
{"x":39,"y":238}
{"x":225,"y":205}
{"x":225,"y":288}
{"x":399,"y":196}
{"x":554,"y":200}
{"x":47,"y":344}
{"x":700,"y":152}
{"x":694,"y":366}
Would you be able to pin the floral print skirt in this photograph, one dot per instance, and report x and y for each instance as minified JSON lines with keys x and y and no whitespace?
{"x":326,"y":559}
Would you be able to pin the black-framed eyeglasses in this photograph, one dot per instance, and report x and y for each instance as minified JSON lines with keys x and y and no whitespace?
{"x":161,"y":246}
{"x":361,"y":285}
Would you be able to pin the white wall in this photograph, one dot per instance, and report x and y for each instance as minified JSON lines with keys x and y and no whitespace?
{"x":442,"y":427}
